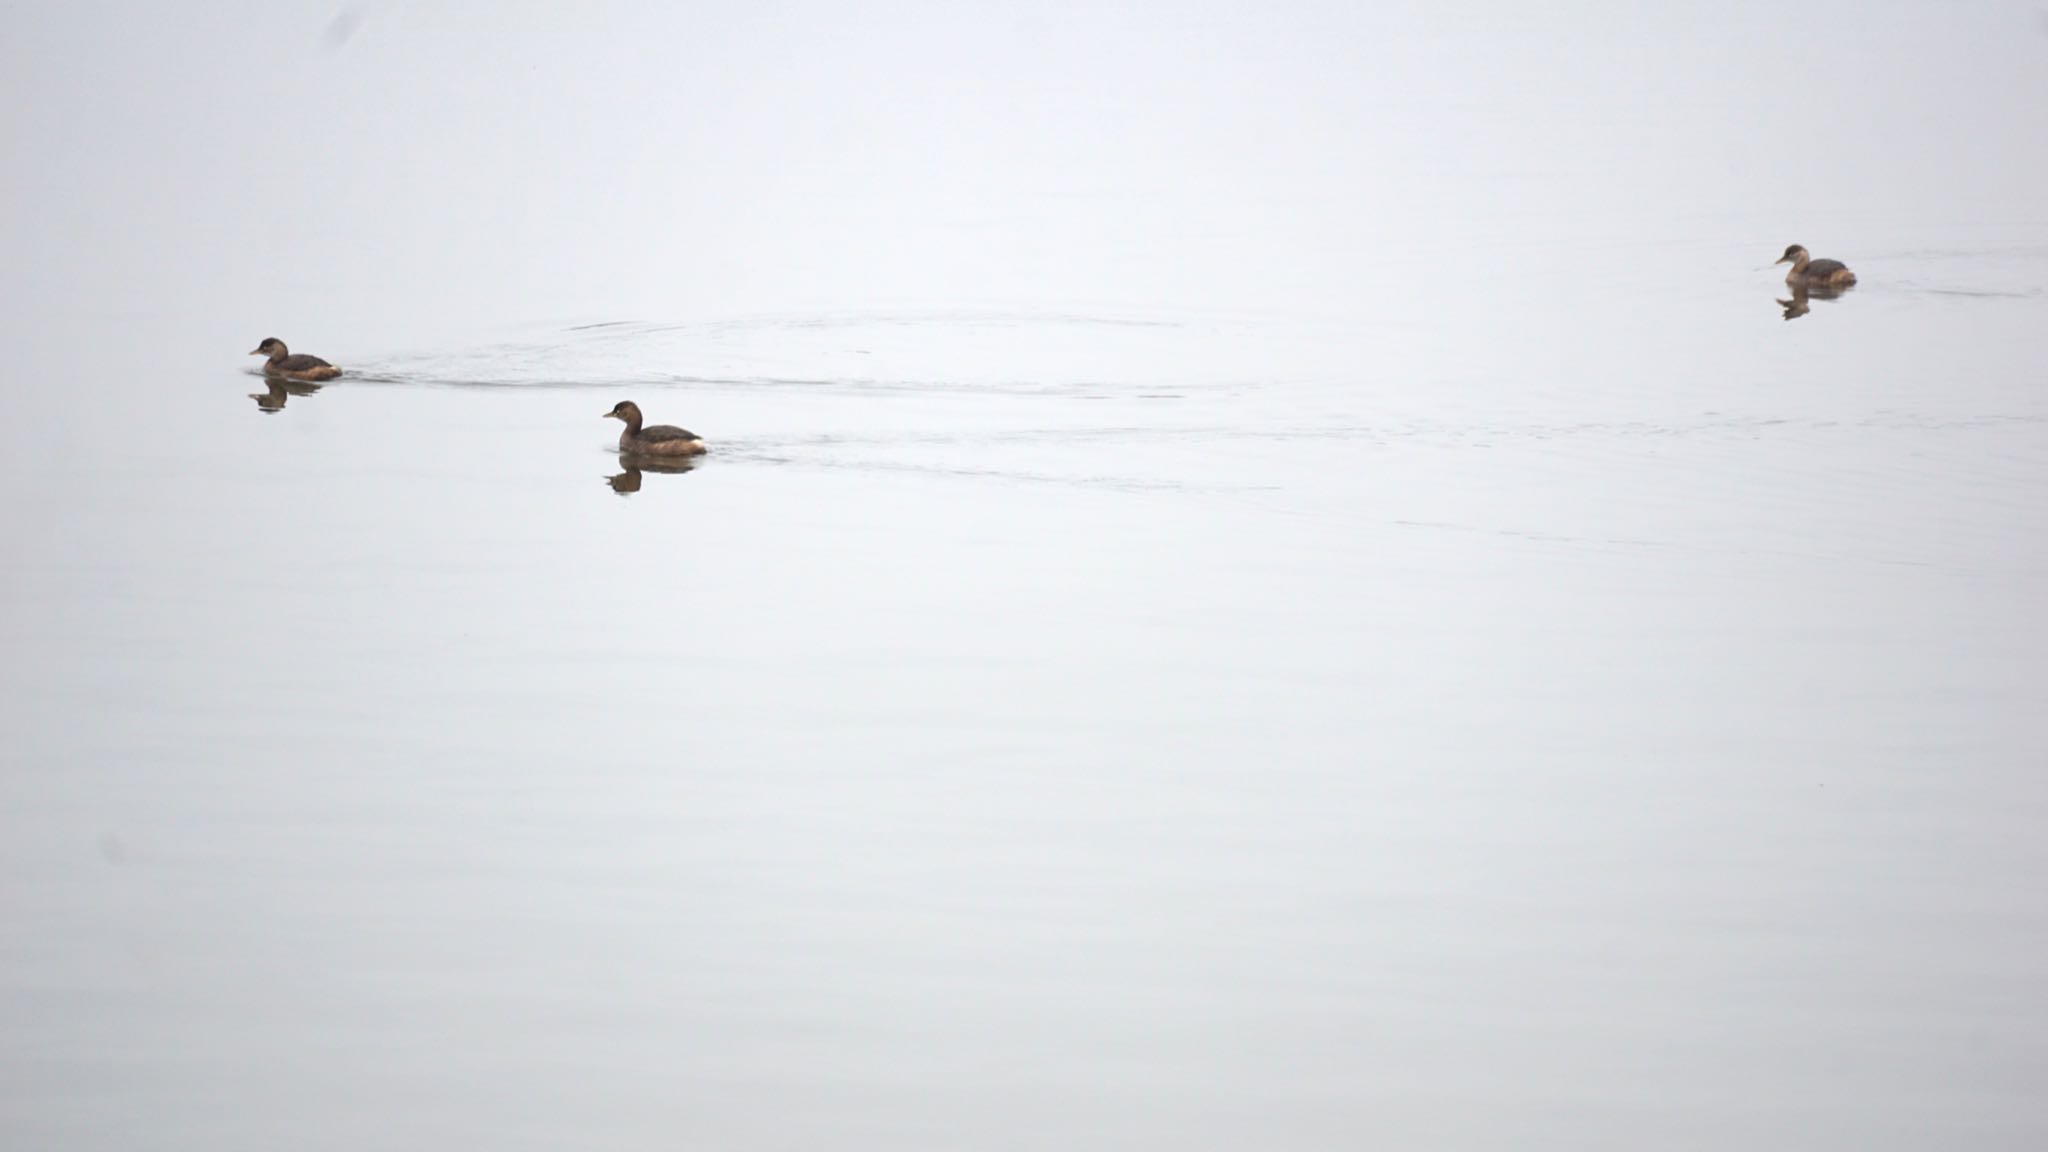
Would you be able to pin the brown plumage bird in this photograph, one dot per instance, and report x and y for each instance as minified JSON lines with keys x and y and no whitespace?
{"x":653,"y":439}
{"x":283,"y":363}
{"x":1815,"y":273}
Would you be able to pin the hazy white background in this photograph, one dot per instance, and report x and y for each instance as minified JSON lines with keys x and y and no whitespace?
{"x":1271,"y":576}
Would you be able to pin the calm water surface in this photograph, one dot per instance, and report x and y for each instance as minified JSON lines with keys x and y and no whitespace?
{"x":1277,"y":579}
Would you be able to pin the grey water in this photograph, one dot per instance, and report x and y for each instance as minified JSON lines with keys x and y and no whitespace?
{"x":1269,"y":576}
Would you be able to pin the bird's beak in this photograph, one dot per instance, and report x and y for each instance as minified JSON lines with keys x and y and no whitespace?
{"x":255,"y":351}
{"x":1782,"y":260}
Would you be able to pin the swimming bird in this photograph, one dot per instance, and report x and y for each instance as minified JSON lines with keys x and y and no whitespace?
{"x":281,"y":362}
{"x":654,"y":439}
{"x":1815,"y":273}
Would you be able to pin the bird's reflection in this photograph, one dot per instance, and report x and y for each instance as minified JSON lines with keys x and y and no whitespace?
{"x":281,"y":390}
{"x":1798,"y":305}
{"x":628,"y":482}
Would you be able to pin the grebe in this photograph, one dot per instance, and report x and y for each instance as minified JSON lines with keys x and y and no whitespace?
{"x":654,"y":439}
{"x":281,"y":362}
{"x":1815,"y":273}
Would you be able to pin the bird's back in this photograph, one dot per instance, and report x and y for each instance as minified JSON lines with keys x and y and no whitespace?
{"x":662,"y":433}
